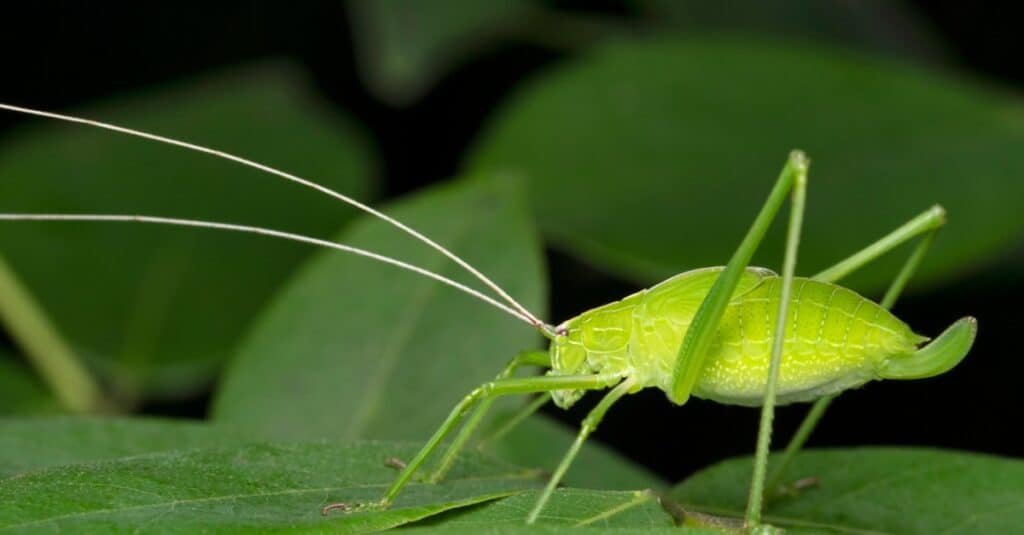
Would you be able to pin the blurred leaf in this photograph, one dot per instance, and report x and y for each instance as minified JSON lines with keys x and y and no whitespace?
{"x":889,"y":27}
{"x":874,"y":490}
{"x":403,"y":48}
{"x":355,"y":349}
{"x":32,"y":444}
{"x":648,"y":158}
{"x":542,"y":442}
{"x":253,"y":488}
{"x":156,"y":309}
{"x":595,"y":510}
{"x":21,"y":392}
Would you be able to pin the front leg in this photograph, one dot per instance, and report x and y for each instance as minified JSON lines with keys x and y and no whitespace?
{"x":501,"y":387}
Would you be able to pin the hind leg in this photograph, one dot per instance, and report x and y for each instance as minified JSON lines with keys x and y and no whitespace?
{"x":926,"y":225}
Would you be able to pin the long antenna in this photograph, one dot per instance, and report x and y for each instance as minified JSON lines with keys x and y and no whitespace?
{"x":123,"y":218}
{"x":533,"y":320}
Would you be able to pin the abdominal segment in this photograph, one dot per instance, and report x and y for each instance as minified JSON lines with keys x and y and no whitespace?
{"x":834,"y":340}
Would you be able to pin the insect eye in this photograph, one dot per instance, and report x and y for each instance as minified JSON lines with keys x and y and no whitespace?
{"x":562,"y":331}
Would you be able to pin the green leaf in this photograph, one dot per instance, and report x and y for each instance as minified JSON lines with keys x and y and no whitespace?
{"x":586,"y":510}
{"x":21,"y":392}
{"x":257,"y":487}
{"x":651,"y":157}
{"x":155,"y":310}
{"x":35,"y":443}
{"x":403,"y":48}
{"x":542,"y":442}
{"x":355,"y":349}
{"x":877,"y":490}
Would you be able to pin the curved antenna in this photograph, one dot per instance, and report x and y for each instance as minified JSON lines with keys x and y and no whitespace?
{"x":122,"y":218}
{"x":935,"y":358}
{"x":534,"y":320}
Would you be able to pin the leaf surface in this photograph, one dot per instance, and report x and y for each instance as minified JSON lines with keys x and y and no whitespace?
{"x":258,"y":487}
{"x":651,"y":157}
{"x":355,"y":349}
{"x":876,"y":490}
{"x":155,"y":310}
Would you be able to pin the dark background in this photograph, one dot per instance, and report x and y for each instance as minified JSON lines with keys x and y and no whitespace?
{"x":57,"y":55}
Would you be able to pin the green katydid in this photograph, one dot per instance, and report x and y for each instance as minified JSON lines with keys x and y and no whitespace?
{"x":734,"y":334}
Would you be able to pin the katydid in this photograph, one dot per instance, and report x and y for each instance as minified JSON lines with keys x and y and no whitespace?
{"x":735,"y":334}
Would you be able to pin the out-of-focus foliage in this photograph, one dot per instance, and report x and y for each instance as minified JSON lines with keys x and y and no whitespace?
{"x":156,"y":310}
{"x":403,"y":47}
{"x":652,"y":157}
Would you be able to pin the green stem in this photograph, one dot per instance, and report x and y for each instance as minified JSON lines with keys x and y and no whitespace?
{"x":52,"y":358}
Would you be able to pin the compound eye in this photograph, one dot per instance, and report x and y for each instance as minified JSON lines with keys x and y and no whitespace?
{"x":562,"y":331}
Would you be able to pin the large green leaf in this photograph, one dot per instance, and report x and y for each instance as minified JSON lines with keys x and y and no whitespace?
{"x":651,"y":157}
{"x":34,"y":443}
{"x":156,"y":309}
{"x":21,"y":392}
{"x":258,"y":487}
{"x":403,"y":48}
{"x":355,"y":349}
{"x":877,"y":490}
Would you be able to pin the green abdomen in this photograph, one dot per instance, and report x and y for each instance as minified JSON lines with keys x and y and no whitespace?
{"x":834,"y":340}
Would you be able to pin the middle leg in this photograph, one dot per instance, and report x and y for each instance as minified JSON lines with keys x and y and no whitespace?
{"x":487,"y":390}
{"x":590,"y":423}
{"x":526,"y":358}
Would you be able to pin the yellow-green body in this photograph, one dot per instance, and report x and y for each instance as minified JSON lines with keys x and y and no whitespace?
{"x":835,"y":339}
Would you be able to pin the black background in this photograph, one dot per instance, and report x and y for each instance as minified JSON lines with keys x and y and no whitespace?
{"x":58,"y":55}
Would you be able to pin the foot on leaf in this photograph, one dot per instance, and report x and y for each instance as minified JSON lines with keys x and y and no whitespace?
{"x":394,"y":462}
{"x":794,"y":488}
{"x":358,"y":507}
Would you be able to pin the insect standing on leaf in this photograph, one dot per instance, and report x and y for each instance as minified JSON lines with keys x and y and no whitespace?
{"x":734,"y":334}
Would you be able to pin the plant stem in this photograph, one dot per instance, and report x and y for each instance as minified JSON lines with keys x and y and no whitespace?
{"x":52,"y":358}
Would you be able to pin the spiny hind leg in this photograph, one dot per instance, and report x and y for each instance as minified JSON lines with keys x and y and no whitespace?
{"x":488,"y":390}
{"x":926,"y":225}
{"x":588,"y":426}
